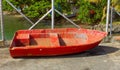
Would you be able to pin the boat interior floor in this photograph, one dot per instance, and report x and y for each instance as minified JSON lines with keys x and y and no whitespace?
{"x":50,"y":39}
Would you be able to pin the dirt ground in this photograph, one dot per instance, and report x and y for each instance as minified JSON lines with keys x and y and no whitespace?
{"x":104,"y":57}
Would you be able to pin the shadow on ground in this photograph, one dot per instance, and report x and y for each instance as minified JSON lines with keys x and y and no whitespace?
{"x":97,"y":51}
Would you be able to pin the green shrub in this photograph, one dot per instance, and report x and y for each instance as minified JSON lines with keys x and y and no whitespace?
{"x":34,"y":9}
{"x":90,"y":12}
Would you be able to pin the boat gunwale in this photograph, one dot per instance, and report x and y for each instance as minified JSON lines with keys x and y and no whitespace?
{"x":36,"y":46}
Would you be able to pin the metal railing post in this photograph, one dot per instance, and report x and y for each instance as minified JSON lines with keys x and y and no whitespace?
{"x":107,"y":16}
{"x":111,"y":20}
{"x":52,"y":17}
{"x":2,"y":25}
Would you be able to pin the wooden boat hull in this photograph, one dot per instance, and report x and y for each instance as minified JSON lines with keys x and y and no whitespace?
{"x":48,"y":42}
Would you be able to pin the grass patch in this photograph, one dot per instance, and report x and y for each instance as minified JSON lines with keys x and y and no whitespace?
{"x":13,"y":23}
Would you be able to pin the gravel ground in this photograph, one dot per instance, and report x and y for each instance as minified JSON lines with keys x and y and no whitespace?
{"x":104,"y":57}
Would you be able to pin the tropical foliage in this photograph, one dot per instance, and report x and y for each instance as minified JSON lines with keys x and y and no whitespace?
{"x":91,"y":11}
{"x":36,"y":8}
{"x":88,"y":11}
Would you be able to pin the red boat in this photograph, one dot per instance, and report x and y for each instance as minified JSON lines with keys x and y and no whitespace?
{"x":52,"y":42}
